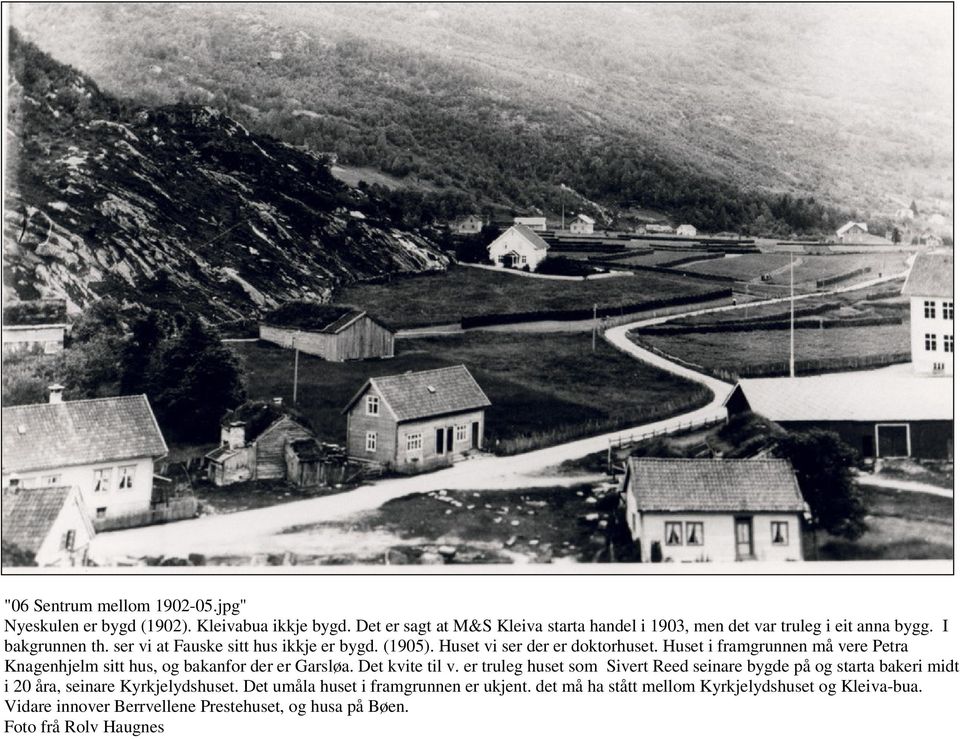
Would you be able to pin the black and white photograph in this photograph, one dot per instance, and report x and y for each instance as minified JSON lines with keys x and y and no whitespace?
{"x":408,"y":288}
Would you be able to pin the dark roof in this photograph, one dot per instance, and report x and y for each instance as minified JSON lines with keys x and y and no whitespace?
{"x":428,"y":393}
{"x":307,"y":450}
{"x":35,"y":313}
{"x":50,"y":435}
{"x":324,"y":319}
{"x":28,"y":515}
{"x":259,"y":415}
{"x":931,"y":276}
{"x":717,"y":485}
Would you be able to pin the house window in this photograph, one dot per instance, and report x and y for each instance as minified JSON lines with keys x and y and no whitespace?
{"x":929,"y":309}
{"x":674,"y":533}
{"x":414,"y":442}
{"x":101,"y":480}
{"x":462,"y":432}
{"x":101,"y":513}
{"x":948,"y":309}
{"x":371,"y":441}
{"x":948,"y":343}
{"x":125,"y":479}
{"x":373,"y":405}
{"x":930,"y":342}
{"x":51,"y":480}
{"x":69,"y":539}
{"x":694,"y":534}
{"x":778,"y":533}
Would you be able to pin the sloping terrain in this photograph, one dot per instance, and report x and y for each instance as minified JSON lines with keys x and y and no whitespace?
{"x":176,"y":205}
{"x":708,"y":113}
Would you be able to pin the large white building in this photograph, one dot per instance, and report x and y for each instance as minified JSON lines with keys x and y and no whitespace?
{"x":103,"y":447}
{"x":519,"y":248}
{"x":930,"y":289}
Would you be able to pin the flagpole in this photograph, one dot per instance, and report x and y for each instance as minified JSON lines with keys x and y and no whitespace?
{"x":791,"y":315}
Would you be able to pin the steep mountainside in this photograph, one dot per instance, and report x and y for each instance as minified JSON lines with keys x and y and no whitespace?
{"x":176,"y":205}
{"x":709,"y":112}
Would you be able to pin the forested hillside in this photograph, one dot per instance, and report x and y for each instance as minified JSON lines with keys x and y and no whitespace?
{"x":175,"y":206}
{"x":771,"y":119}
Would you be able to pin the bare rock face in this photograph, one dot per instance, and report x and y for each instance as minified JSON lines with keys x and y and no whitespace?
{"x":176,"y":206}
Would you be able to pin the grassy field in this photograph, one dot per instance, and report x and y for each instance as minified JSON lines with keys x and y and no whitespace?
{"x":734,"y":350}
{"x":659,"y":257}
{"x":544,"y":388}
{"x":811,"y":268}
{"x":899,"y":526}
{"x":464,"y":291}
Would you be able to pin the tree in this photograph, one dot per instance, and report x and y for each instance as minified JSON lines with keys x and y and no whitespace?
{"x":913,"y":207}
{"x":896,"y":235}
{"x":823,"y":463}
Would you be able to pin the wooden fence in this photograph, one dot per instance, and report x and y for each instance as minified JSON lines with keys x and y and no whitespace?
{"x":176,"y":509}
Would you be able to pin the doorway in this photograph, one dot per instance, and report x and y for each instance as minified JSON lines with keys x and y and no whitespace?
{"x":475,"y":435}
{"x":893,"y":440}
{"x":743,"y":528}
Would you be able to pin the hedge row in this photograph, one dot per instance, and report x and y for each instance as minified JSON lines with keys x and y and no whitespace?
{"x":843,"y":276}
{"x":691,"y":258}
{"x":761,"y":325}
{"x":583,"y":314}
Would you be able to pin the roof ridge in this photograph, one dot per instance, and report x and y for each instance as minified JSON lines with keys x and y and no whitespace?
{"x":78,"y":401}
{"x":410,"y":373}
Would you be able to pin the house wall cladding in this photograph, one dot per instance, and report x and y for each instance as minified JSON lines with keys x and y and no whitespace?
{"x":359,"y":423}
{"x":928,"y":439}
{"x":363,"y":339}
{"x":427,"y":456}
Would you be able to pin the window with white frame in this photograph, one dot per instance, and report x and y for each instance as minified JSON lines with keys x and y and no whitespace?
{"x":948,"y":309}
{"x":929,"y":309}
{"x":101,"y":480}
{"x":694,"y":536}
{"x":948,"y":343}
{"x":673,"y":533}
{"x":52,"y":480}
{"x":69,"y":539}
{"x":462,"y":432}
{"x":930,"y":342}
{"x":779,"y":533}
{"x":125,"y":478}
{"x":373,"y":405}
{"x":414,"y":442}
{"x":101,"y":513}
{"x":371,"y":441}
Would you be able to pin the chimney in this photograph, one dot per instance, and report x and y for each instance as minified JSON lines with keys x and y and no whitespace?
{"x":236,"y":433}
{"x":56,"y":392}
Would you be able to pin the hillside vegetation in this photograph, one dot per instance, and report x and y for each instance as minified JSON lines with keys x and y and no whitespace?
{"x":176,"y":207}
{"x":770,"y":119}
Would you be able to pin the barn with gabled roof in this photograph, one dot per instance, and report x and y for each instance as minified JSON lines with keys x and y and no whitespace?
{"x":337,"y":333}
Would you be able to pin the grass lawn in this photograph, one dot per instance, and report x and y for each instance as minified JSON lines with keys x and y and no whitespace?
{"x":735,"y":350}
{"x":661,"y":256}
{"x":479,"y":527}
{"x":811,"y":268}
{"x":464,"y":291}
{"x":899,"y":526}
{"x":741,"y":266}
{"x":544,"y":388}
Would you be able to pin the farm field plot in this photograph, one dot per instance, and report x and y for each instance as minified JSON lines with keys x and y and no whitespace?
{"x":741,"y":266}
{"x":735,"y":351}
{"x":813,"y":268}
{"x":660,"y":256}
{"x":462,"y":291}
{"x":544,"y":388}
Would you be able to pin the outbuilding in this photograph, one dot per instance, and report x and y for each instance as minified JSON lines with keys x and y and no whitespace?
{"x":333,"y":332}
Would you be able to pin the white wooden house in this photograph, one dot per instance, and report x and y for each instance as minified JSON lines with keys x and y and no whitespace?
{"x":930,"y":289}
{"x":104,"y":447}
{"x":518,"y":248}
{"x":852,"y":232}
{"x":47,"y":526}
{"x":582,"y":224}
{"x":472,"y":224}
{"x":713,"y":510}
{"x":34,"y":326}
{"x":535,"y":223}
{"x":686,"y":230}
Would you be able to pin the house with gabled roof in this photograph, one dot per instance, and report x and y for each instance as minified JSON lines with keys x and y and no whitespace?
{"x":582,"y":224}
{"x":929,"y":286}
{"x":471,"y":224}
{"x":336,"y":333}
{"x":47,"y":526}
{"x":713,"y":510}
{"x":104,"y":447}
{"x":518,"y":248}
{"x":416,"y":420}
{"x":852,"y":232}
{"x":34,"y":325}
{"x":686,"y":229}
{"x":535,"y":223}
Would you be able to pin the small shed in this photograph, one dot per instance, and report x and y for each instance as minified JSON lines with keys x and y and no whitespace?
{"x":852,"y":232}
{"x":336,"y":333}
